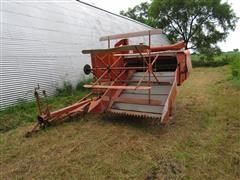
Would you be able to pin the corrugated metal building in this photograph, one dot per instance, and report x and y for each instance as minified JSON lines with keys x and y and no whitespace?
{"x":41,"y":43}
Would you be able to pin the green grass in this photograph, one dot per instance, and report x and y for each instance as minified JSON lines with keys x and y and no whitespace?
{"x":24,"y":112}
{"x":201,"y":142}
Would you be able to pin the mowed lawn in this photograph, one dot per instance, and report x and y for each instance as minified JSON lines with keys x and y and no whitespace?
{"x":201,"y":142}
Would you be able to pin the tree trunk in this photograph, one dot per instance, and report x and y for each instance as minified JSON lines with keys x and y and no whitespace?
{"x":186,"y":44}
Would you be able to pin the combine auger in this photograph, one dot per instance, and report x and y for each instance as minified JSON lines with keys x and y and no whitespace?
{"x":135,"y":80}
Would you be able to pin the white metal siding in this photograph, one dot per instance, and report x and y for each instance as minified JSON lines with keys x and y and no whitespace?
{"x":41,"y":43}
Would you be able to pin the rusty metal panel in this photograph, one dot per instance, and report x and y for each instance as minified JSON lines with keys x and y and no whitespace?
{"x":41,"y":43}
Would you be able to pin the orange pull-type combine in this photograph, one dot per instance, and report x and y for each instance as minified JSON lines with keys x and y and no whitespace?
{"x":136,"y":80}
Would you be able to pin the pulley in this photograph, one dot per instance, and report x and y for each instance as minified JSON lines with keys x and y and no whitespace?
{"x":87,"y":69}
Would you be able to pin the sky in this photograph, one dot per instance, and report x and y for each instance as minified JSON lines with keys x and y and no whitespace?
{"x":114,"y":6}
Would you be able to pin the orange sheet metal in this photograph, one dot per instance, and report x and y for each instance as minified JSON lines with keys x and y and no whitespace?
{"x":176,"y":46}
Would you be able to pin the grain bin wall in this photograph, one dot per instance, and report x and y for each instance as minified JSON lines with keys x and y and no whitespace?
{"x":41,"y":43}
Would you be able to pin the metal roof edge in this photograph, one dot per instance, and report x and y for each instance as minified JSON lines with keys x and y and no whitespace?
{"x":124,"y":17}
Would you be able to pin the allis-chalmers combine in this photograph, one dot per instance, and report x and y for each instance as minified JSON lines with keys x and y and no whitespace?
{"x":136,"y":80}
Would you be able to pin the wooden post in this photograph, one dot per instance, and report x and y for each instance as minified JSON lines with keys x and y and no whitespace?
{"x":149,"y":38}
{"x":108,"y":42}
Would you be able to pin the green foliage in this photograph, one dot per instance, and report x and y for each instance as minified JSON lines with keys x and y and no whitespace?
{"x":235,"y":67}
{"x":138,"y":13}
{"x":221,"y":59}
{"x":82,"y":82}
{"x":200,"y":24}
{"x":67,"y":89}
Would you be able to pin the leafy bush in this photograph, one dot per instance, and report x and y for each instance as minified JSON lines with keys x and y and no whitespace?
{"x":67,"y":89}
{"x":235,"y":67}
{"x":210,"y":63}
{"x":217,"y":60}
{"x":81,"y":83}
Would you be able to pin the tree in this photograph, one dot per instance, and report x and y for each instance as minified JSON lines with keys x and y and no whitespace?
{"x":138,"y":13}
{"x":199,"y":23}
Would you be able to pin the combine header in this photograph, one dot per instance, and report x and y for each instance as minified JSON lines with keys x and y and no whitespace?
{"x":136,"y":80}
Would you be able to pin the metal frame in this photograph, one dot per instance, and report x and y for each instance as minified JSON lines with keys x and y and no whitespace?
{"x":131,"y":34}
